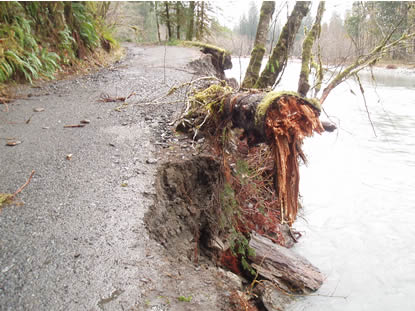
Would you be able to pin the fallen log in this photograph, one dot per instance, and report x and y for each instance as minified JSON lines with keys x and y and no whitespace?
{"x":288,"y":270}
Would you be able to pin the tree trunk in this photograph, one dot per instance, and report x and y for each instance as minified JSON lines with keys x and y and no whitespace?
{"x":198,"y":4}
{"x":303,"y":85}
{"x":279,"y":56}
{"x":202,"y":20}
{"x":290,"y":271}
{"x":257,"y":54}
{"x":157,"y":20}
{"x":178,"y":12}
{"x":191,"y":21}
{"x":166,"y":4}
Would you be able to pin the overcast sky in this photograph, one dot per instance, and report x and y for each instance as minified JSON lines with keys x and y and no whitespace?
{"x":232,"y":10}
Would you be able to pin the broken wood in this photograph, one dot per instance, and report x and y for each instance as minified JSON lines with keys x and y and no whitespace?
{"x":280,"y":119}
{"x":289,"y":271}
{"x":74,"y":125}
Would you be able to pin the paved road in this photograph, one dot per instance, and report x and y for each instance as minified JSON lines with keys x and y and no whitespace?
{"x":78,"y":242}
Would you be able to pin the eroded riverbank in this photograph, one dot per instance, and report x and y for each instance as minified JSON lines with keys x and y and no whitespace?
{"x":79,"y":240}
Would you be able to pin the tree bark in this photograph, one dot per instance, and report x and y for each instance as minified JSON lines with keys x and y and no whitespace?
{"x":198,"y":4}
{"x":290,"y":271}
{"x":191,"y":21}
{"x":257,"y":54}
{"x":166,"y":4}
{"x":202,"y":20}
{"x":178,"y":12}
{"x":279,"y":55}
{"x":303,"y":85}
{"x":157,"y":20}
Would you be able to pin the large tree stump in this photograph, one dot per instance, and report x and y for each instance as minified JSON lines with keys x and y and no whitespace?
{"x":288,"y":270}
{"x":282,"y":120}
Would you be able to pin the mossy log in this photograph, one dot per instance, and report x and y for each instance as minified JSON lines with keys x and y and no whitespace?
{"x":221,"y":59}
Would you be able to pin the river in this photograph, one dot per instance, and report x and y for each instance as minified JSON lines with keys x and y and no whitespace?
{"x":358,"y":221}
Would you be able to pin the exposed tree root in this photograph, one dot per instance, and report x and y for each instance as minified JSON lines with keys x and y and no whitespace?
{"x":281,"y":120}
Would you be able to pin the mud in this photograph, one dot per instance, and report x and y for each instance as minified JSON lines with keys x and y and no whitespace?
{"x":184,"y":214}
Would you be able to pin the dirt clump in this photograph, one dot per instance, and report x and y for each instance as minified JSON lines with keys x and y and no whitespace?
{"x":183,"y":215}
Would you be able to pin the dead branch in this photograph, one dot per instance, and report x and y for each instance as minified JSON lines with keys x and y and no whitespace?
{"x":362,"y":91}
{"x":364,"y":61}
{"x":74,"y":125}
{"x":23,"y":186}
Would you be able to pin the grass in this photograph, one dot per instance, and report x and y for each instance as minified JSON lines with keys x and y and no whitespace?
{"x":185,"y":299}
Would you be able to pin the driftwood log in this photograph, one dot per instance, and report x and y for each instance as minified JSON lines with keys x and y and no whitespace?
{"x":288,"y":270}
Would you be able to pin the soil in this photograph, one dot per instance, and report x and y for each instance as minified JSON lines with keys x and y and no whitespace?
{"x":79,"y":241}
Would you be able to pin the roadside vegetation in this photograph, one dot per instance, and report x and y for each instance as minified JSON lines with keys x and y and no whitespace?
{"x":38,"y":39}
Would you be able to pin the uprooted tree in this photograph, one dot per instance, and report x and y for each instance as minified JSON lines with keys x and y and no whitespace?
{"x":258,"y":133}
{"x":282,"y":119}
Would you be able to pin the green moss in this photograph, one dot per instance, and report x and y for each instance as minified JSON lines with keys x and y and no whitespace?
{"x":5,"y":198}
{"x":271,"y":98}
{"x":185,"y":299}
{"x":212,"y":97}
{"x":205,"y":45}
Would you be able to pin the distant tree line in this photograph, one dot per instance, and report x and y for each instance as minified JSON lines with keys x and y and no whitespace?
{"x":184,"y":19}
{"x":371,"y":20}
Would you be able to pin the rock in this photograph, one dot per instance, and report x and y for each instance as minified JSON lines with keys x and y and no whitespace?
{"x":151,"y":161}
{"x":13,"y":143}
{"x":290,"y":271}
{"x":85,"y":121}
{"x":286,"y":232}
{"x":235,"y":280}
{"x":271,"y":297}
{"x":328,"y":127}
{"x":38,"y":109}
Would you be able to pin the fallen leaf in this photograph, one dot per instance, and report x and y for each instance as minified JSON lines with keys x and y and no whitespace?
{"x":13,"y":143}
{"x":40,"y":109}
{"x":69,"y":156}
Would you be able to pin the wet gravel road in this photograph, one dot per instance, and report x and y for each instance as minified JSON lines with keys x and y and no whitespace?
{"x":78,"y":242}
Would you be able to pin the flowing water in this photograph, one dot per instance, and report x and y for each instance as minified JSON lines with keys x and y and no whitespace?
{"x":358,"y":221}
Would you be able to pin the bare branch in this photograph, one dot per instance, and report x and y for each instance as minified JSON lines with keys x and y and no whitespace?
{"x":364,"y":61}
